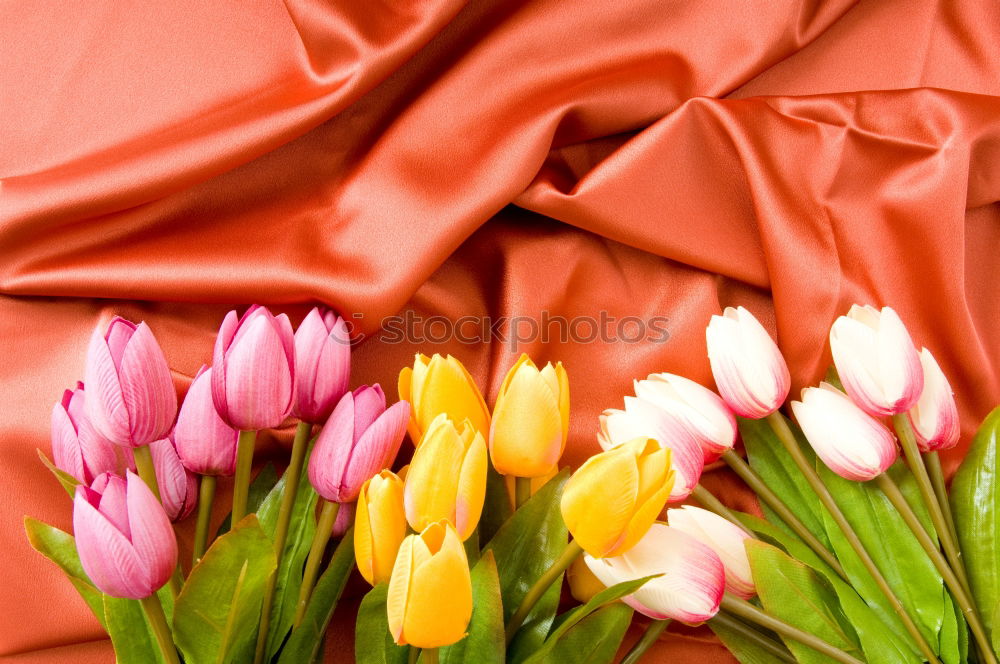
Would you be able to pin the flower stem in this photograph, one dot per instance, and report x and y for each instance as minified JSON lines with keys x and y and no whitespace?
{"x":522,"y":491}
{"x":569,"y":554}
{"x":648,"y":638}
{"x":933,"y":463}
{"x":713,"y":504}
{"x":413,"y":655}
{"x":206,"y":496}
{"x":895,"y":496}
{"x":158,"y":622}
{"x":144,"y":464}
{"x":778,"y":506}
{"x":748,"y":611}
{"x":787,"y":439}
{"x":776,"y":648}
{"x":292,"y":474}
{"x":327,"y":517}
{"x":241,"y":483}
{"x":429,"y":656}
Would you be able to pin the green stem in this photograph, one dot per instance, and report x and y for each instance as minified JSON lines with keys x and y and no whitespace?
{"x":645,"y":642}
{"x":144,"y":464}
{"x":158,"y":622}
{"x":176,"y":580}
{"x":713,"y":504}
{"x":771,"y":499}
{"x":787,"y":438}
{"x":429,"y":656}
{"x":413,"y":655}
{"x":569,"y":554}
{"x":748,"y":611}
{"x":241,"y":483}
{"x":324,"y":529}
{"x":522,"y":491}
{"x":936,"y":472}
{"x":292,"y":474}
{"x":206,"y":496}
{"x":895,"y":496}
{"x":750,"y":634}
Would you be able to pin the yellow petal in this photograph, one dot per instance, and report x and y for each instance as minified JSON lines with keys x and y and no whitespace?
{"x":563,"y":400}
{"x":387,"y":522}
{"x":583,"y":585}
{"x":523,"y":360}
{"x":599,"y":499}
{"x":399,"y":590}
{"x":444,"y":386}
{"x":440,"y":601}
{"x":432,"y":479}
{"x":526,"y":439}
{"x":364,"y":548}
{"x":644,"y":517}
{"x":471,"y":493}
{"x":404,"y":385}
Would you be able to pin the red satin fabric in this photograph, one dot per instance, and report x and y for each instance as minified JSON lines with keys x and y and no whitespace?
{"x":169,"y":161}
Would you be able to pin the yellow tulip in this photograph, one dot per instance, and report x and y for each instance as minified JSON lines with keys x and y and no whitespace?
{"x":615,"y":496}
{"x":536,"y":484}
{"x":437,"y":385}
{"x":530,"y":420}
{"x":583,"y":584}
{"x":429,"y":602}
{"x":447,"y":477}
{"x":379,"y":526}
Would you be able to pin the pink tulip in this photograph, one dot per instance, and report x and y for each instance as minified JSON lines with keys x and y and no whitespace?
{"x":123,"y":536}
{"x":723,"y":537}
{"x":205,"y":444}
{"x":178,"y":485}
{"x":77,"y":447}
{"x":849,"y":441}
{"x":934,"y":417}
{"x":322,"y":364}
{"x":361,"y":438}
{"x":877,"y":362}
{"x":749,"y":370}
{"x":641,"y":419}
{"x":702,"y":411}
{"x":693,"y":580}
{"x":130,"y":396}
{"x":253,"y":369}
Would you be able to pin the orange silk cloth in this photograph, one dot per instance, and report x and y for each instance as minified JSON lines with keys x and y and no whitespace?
{"x":170,"y":161}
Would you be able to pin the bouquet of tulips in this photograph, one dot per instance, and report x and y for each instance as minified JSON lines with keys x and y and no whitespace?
{"x":859,"y":558}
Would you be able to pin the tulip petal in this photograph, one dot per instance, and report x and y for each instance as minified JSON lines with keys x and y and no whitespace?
{"x":439,"y":605}
{"x":283,"y":328}
{"x":433,"y":475}
{"x":106,"y":405}
{"x":204,"y":442}
{"x":526,"y":438}
{"x":332,"y":451}
{"x":369,"y":403}
{"x":152,"y":535}
{"x":471,"y":493}
{"x":147,"y":388}
{"x":175,"y":482}
{"x":66,"y":451}
{"x":448,"y":388}
{"x":376,"y":449}
{"x":597,"y":510}
{"x":113,"y":503}
{"x":107,"y":557}
{"x":723,"y":537}
{"x":899,"y":363}
{"x":227,"y":331}
{"x":258,"y":377}
{"x":397,"y":599}
{"x":935,"y":415}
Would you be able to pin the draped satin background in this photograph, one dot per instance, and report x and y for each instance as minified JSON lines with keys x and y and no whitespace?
{"x":169,"y":161}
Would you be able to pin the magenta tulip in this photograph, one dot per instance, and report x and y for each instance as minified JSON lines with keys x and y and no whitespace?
{"x":130,"y":396}
{"x":934,"y":417}
{"x":124,"y":538}
{"x":361,"y":438}
{"x":322,"y":364}
{"x":205,"y":443}
{"x":253,"y":369}
{"x":77,"y":447}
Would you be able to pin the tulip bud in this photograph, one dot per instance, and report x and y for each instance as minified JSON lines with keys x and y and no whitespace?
{"x":610,"y":502}
{"x":703,"y":413}
{"x":536,"y":484}
{"x":934,"y":417}
{"x":723,"y":537}
{"x":530,"y":420}
{"x":380,"y":526}
{"x":429,"y":601}
{"x":876,"y":360}
{"x":253,"y":369}
{"x":361,"y":438}
{"x":693,"y":580}
{"x":850,"y":442}
{"x":205,"y":443}
{"x":77,"y":447}
{"x":441,"y":385}
{"x":123,"y":536}
{"x":641,"y":419}
{"x":130,"y":395}
{"x":749,"y":370}
{"x":583,"y":585}
{"x":322,"y":364}
{"x":447,"y":477}
{"x":178,"y":486}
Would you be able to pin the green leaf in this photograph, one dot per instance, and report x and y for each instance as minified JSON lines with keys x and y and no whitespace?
{"x":372,"y":642}
{"x":216,"y":614}
{"x":130,"y":633}
{"x":259,"y":488}
{"x":496,"y":508}
{"x":485,"y":641}
{"x":306,"y":643}
{"x":68,"y":482}
{"x":742,"y":648}
{"x":60,"y":548}
{"x":595,"y":639}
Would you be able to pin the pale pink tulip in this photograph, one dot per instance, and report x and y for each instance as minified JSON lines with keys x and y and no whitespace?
{"x":723,"y":537}
{"x":77,"y":448}
{"x":749,"y":370}
{"x":130,"y":396}
{"x":253,"y":369}
{"x":124,"y":538}
{"x":205,"y":443}
{"x":935,"y":416}
{"x":322,"y":364}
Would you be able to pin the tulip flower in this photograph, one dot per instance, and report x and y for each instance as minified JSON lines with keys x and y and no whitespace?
{"x":700,"y":410}
{"x":849,"y":441}
{"x":322,"y":364}
{"x":583,"y":585}
{"x":530,"y":420}
{"x":723,"y":537}
{"x":876,"y":360}
{"x":934,"y":417}
{"x":77,"y":447}
{"x":429,"y":602}
{"x":447,"y":477}
{"x":749,"y":370}
{"x":130,"y":395}
{"x":692,"y":582}
{"x":205,"y":443}
{"x":610,"y":502}
{"x":437,"y":385}
{"x":380,"y":526}
{"x":641,"y":419}
{"x":123,"y":536}
{"x":178,"y":486}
